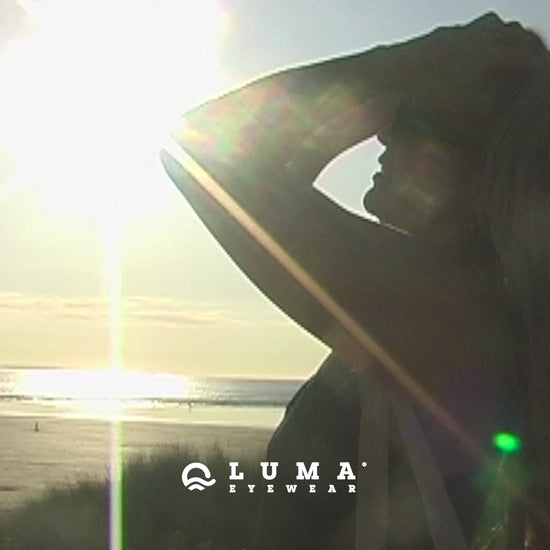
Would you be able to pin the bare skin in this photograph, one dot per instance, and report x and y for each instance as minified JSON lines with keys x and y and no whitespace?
{"x":427,"y":297}
{"x":422,"y":180}
{"x":265,"y":145}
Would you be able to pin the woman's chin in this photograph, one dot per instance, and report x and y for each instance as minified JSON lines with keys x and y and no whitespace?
{"x":379,"y":204}
{"x":390,"y":212}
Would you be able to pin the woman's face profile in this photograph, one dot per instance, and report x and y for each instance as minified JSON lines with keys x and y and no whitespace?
{"x":420,"y":178}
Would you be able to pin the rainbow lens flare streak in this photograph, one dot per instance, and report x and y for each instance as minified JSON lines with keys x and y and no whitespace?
{"x":354,"y":332}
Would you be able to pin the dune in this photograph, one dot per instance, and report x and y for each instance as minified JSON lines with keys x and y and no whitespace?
{"x":59,"y":451}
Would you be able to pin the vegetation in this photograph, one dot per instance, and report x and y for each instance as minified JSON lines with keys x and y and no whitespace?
{"x":158,"y":512}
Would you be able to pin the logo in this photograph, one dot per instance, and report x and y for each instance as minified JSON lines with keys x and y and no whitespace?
{"x":306,"y":478}
{"x":199,"y":483}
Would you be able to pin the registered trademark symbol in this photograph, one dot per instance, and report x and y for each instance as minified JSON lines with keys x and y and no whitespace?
{"x":363,"y":464}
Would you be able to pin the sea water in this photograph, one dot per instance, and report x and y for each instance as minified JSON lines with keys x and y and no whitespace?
{"x":143,"y":396}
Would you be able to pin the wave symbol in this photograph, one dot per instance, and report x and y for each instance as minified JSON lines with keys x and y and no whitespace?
{"x":196,"y":482}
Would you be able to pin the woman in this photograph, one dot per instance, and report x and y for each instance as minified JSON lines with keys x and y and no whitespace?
{"x":415,"y":302}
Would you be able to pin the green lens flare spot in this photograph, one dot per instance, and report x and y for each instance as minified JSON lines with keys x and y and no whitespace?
{"x":506,"y":442}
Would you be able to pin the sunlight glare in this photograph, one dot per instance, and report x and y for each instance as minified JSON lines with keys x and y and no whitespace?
{"x":96,"y":384}
{"x":87,"y":94}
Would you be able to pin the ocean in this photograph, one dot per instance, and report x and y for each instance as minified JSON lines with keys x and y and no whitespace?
{"x":61,"y":425}
{"x":143,"y":396}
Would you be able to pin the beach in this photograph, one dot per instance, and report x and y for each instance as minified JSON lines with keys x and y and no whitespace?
{"x":45,"y":446}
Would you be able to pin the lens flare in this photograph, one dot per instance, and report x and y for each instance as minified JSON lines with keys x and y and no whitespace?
{"x":86,"y":94}
{"x":88,"y":91}
{"x":507,"y":442}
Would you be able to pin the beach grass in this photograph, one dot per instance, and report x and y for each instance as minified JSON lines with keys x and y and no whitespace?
{"x":156,"y":510}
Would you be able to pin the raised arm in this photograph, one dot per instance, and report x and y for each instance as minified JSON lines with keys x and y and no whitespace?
{"x":265,"y":144}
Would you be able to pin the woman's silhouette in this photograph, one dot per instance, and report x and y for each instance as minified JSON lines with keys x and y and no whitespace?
{"x":445,"y":302}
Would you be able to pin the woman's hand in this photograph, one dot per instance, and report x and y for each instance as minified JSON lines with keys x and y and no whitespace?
{"x":464,"y":76}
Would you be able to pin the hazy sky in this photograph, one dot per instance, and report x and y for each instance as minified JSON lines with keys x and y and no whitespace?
{"x":103,"y":261}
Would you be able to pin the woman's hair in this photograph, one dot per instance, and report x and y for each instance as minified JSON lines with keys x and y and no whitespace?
{"x":515,"y":213}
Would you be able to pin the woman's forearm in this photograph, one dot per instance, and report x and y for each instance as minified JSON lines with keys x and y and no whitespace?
{"x":260,"y":149}
{"x":263,"y":146}
{"x":294,"y":122}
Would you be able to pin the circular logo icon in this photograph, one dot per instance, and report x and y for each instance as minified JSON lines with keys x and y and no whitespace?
{"x":197,"y":482}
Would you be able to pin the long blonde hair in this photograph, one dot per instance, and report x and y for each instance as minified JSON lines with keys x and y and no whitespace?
{"x":515,"y":213}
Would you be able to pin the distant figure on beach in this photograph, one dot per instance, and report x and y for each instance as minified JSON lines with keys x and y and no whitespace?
{"x":36,"y":427}
{"x":438,"y":315}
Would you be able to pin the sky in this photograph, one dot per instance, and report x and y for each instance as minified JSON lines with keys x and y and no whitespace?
{"x":104,"y":263}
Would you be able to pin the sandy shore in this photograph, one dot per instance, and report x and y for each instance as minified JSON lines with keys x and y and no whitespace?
{"x":66,"y":449}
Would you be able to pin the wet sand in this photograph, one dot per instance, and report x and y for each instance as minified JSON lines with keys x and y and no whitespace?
{"x":69,"y":448}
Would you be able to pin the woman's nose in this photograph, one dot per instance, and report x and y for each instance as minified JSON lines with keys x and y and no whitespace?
{"x":383,"y":157}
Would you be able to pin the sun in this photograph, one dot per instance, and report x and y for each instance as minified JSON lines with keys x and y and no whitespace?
{"x":90,"y":90}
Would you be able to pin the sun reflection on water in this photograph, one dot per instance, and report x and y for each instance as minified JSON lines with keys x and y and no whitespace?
{"x":101,"y":385}
{"x":111,"y":394}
